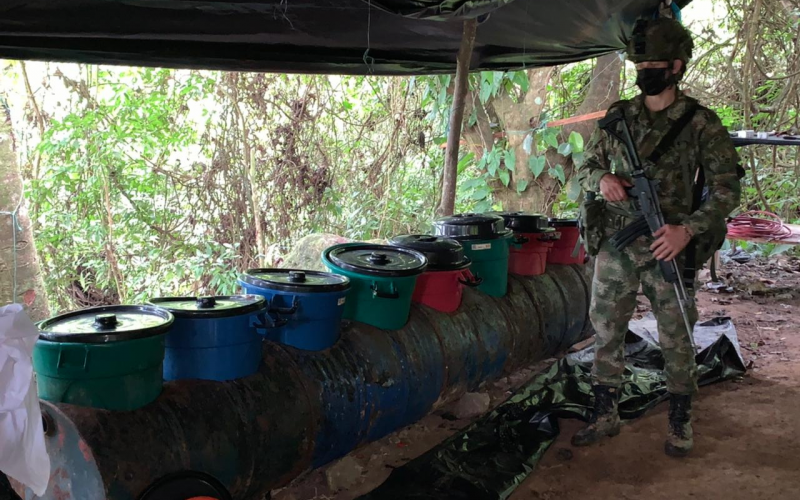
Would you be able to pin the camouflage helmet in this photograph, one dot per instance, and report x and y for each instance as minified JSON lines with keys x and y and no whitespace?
{"x":662,"y":39}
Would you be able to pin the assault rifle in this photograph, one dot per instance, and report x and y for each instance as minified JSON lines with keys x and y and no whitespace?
{"x":645,"y":199}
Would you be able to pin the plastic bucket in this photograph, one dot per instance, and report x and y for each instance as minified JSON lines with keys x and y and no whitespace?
{"x":490,"y":263}
{"x":213,"y":338}
{"x":309,"y":321}
{"x":442,"y":290}
{"x":380,"y":301}
{"x":564,"y":247}
{"x":528,"y":253}
{"x":123,"y":375}
{"x":213,"y":349}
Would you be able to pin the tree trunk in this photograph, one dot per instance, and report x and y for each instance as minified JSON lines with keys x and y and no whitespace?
{"x":29,"y":286}
{"x":603,"y":92}
{"x":447,"y":205}
{"x":516,"y":118}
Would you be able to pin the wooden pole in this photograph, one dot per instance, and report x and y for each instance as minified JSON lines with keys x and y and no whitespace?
{"x":448,"y":201}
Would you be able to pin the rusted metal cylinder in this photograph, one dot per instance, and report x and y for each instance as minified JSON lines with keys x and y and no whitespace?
{"x":304,"y":409}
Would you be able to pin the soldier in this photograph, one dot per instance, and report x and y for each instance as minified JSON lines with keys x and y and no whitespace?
{"x":660,"y":49}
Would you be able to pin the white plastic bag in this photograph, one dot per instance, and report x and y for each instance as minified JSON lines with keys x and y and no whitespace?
{"x":23,"y":455}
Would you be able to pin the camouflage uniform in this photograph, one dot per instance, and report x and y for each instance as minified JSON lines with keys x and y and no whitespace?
{"x":704,"y":143}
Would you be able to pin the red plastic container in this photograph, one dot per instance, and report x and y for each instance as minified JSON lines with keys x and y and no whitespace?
{"x":529,"y":253}
{"x":441,"y":285}
{"x":442,"y":290}
{"x":562,"y":250}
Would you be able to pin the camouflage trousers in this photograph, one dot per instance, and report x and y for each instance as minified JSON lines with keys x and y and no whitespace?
{"x":617,"y":276}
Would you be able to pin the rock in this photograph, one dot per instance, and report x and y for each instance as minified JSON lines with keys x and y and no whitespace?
{"x":564,"y":454}
{"x":307,"y":251}
{"x":344,"y":474}
{"x":471,"y":405}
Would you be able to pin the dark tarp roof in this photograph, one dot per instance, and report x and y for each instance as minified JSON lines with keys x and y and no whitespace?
{"x":315,"y":36}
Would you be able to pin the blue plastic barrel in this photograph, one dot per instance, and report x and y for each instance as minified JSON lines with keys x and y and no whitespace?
{"x":213,"y":338}
{"x":305,"y":307}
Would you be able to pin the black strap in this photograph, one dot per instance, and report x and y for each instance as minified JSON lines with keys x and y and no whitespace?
{"x":690,"y":266}
{"x":672,"y":134}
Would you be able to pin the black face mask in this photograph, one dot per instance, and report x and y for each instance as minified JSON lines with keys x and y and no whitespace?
{"x":653,"y":81}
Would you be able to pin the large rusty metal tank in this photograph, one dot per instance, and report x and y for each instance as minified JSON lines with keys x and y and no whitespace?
{"x":304,"y":409}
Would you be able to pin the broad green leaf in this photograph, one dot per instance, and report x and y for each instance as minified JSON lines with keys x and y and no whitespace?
{"x":551,"y":137}
{"x":487,"y":76}
{"x":564,"y":149}
{"x":492,"y":167}
{"x":573,"y":189}
{"x":510,"y":159}
{"x":482,"y":162}
{"x":480,"y":193}
{"x":498,"y":83}
{"x":473,"y":117}
{"x":486,"y":92}
{"x":522,"y":184}
{"x":576,"y":141}
{"x":494,"y":161}
{"x":471,"y":183}
{"x":557,"y":172}
{"x":527,"y":144}
{"x":781,"y":249}
{"x":483,"y":206}
{"x":521,"y":79}
{"x":505,"y":176}
{"x":536,"y":164}
{"x":577,"y":159}
{"x":465,"y":161}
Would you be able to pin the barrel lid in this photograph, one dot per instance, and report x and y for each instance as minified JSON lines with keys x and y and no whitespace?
{"x":554,"y":222}
{"x":99,"y":325}
{"x":376,"y":260}
{"x":220,"y":306}
{"x":525,"y":222}
{"x":443,"y":254}
{"x":471,"y":226}
{"x":295,"y":280}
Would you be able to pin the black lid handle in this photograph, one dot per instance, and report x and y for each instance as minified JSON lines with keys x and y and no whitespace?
{"x":206,"y":302}
{"x":105,"y":321}
{"x":379,"y":258}
{"x":472,"y":281}
{"x":297,"y":276}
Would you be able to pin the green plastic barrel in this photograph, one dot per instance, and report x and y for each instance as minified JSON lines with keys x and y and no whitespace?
{"x":106,"y":357}
{"x":486,"y":242}
{"x":490,"y":263}
{"x":382,"y":281}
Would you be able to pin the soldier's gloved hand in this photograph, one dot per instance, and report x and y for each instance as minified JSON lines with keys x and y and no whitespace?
{"x":670,"y":240}
{"x":613,"y":188}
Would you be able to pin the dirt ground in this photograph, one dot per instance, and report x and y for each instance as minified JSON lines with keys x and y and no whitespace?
{"x":747,"y":432}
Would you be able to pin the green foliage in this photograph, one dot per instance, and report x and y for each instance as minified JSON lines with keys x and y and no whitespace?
{"x":163,"y":182}
{"x":536,"y":164}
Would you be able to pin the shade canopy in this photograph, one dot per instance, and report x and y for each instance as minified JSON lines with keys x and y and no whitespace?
{"x":388,"y":37}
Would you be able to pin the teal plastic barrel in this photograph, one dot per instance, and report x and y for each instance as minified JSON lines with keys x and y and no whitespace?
{"x":490,"y":263}
{"x":382,"y":281}
{"x":486,"y":242}
{"x":108,"y":357}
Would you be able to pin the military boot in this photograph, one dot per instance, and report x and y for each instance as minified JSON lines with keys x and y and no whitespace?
{"x":679,"y":440}
{"x":605,"y":418}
